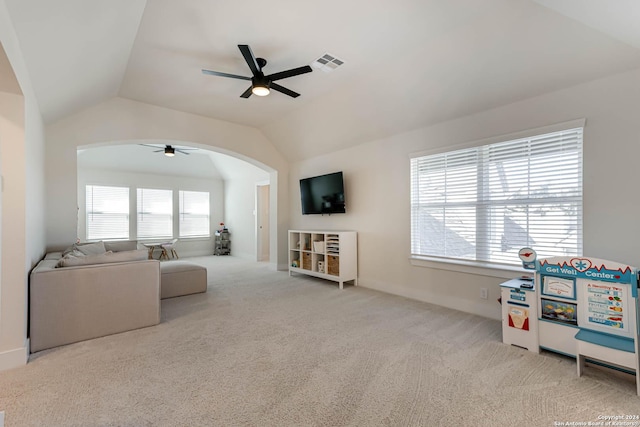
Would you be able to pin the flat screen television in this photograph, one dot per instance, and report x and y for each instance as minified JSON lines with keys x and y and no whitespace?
{"x":322,"y":194}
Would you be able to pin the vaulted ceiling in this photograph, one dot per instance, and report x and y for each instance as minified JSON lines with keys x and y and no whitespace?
{"x":407,"y":63}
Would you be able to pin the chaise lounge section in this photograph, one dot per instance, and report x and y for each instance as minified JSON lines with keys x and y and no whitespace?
{"x":180,"y":278}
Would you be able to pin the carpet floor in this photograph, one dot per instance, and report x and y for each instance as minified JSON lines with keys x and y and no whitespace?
{"x":261,"y":348}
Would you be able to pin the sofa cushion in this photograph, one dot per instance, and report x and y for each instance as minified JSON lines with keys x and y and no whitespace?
{"x":105,"y":258}
{"x":45,"y":265}
{"x":53,"y":255}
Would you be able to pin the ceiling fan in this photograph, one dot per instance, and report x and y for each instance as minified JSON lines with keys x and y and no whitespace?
{"x":169,"y":150}
{"x":261,"y":84}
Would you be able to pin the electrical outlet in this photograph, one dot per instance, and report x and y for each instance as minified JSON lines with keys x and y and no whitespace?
{"x":484,"y":293}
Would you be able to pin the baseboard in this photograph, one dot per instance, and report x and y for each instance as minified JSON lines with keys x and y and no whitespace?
{"x":14,"y":358}
{"x":490,"y":311}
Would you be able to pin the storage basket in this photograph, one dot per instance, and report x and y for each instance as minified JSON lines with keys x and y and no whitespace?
{"x":333,"y":265}
{"x":306,"y":261}
{"x":318,"y":246}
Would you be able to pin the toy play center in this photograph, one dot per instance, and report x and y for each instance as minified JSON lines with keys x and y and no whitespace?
{"x":581,"y":307}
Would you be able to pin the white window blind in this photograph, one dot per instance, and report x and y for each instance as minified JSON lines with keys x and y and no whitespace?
{"x":155,"y":213}
{"x":107,"y":210}
{"x":194,"y":214}
{"x":485,"y":203}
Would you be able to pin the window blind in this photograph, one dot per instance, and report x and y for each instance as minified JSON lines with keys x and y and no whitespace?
{"x":155,"y":213}
{"x":194,"y":214}
{"x":485,"y":203}
{"x":107,"y":210}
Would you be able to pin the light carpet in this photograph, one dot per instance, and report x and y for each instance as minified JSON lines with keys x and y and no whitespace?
{"x":261,"y":348}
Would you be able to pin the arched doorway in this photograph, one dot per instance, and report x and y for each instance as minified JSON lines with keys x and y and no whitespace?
{"x":228,"y":180}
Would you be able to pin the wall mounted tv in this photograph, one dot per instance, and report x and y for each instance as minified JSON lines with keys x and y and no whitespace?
{"x":322,"y":194}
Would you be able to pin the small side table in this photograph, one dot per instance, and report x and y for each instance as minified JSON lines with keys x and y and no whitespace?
{"x":151,"y":247}
{"x":222,"y":243}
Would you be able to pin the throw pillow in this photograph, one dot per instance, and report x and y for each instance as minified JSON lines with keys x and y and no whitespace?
{"x":68,"y":250}
{"x":96,"y":248}
{"x":72,"y":255}
{"x":121,"y":246}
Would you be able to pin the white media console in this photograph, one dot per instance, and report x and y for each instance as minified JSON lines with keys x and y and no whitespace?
{"x":330,"y":255}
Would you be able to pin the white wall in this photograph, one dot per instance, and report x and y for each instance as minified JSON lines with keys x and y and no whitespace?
{"x":13,"y":273}
{"x":35,"y":192}
{"x":184,"y":247}
{"x":377,"y":189}
{"x":240,"y":206}
{"x":119,"y":120}
{"x":22,"y":201}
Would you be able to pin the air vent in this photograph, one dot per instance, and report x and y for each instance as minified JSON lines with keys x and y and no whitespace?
{"x":327,"y":63}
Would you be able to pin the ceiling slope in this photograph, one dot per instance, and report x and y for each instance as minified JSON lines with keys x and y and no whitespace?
{"x":8,"y":81}
{"x":408,"y":63}
{"x":506,"y":53}
{"x":76,"y":51}
{"x":619,"y":19}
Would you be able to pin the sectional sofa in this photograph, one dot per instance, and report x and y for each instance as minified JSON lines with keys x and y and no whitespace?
{"x":75,"y":298}
{"x":102,"y":288}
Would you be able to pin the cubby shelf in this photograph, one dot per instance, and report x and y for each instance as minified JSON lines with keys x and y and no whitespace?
{"x":330,"y":255}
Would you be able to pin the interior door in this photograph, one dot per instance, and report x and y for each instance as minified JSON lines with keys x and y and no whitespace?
{"x":263,"y":223}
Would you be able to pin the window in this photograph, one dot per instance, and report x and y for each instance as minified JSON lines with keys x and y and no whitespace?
{"x":485,"y":203}
{"x":107,"y":212}
{"x":155,"y":213}
{"x":194,"y":214}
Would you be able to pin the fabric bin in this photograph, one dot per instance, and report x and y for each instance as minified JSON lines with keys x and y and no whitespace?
{"x":333,"y":265}
{"x":306,"y":261}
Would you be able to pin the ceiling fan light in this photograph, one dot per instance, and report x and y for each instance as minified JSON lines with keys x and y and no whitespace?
{"x":260,"y":90}
{"x":169,"y":151}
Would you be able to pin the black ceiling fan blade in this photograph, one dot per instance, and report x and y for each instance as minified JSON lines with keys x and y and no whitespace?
{"x":290,"y":73}
{"x":284,"y":90}
{"x":250,"y":58}
{"x":181,"y":151}
{"x":218,"y":73}
{"x":247,"y":93}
